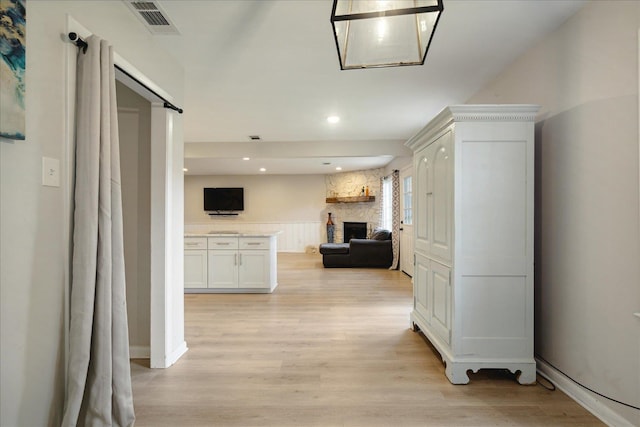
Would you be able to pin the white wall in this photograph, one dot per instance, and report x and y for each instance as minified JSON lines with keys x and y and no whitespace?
{"x":34,"y":246}
{"x":585,"y":77}
{"x":398,"y":163}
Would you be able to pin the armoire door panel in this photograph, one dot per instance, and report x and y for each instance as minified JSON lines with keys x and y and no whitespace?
{"x":441,"y":299}
{"x":442,"y":190}
{"x":422,"y":234}
{"x":421,"y":286}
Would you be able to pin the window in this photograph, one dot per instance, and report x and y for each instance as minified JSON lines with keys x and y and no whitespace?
{"x":387,"y":204}
{"x":407,"y":211}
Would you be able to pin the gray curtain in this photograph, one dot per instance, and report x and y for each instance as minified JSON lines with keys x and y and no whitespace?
{"x":395,"y":215}
{"x":99,"y":377}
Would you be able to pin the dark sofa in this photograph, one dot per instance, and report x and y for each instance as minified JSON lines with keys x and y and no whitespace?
{"x":374,"y":252}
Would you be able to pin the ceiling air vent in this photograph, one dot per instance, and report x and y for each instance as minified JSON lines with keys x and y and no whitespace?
{"x":152,"y":16}
{"x":255,"y":137}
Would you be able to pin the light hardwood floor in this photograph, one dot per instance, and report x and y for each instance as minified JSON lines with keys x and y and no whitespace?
{"x":330,"y":347}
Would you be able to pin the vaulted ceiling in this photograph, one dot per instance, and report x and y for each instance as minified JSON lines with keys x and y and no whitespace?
{"x":270,"y":68}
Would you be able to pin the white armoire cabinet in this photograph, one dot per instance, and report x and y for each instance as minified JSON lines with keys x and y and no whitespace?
{"x":473,"y":231}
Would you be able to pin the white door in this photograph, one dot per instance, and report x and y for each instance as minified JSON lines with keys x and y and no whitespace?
{"x":406,"y":220}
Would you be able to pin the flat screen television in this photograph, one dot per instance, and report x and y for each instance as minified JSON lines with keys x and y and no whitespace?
{"x":224,"y":199}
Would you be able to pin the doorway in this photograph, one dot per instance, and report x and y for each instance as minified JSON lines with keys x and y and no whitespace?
{"x":134,"y":131}
{"x":166,"y":299}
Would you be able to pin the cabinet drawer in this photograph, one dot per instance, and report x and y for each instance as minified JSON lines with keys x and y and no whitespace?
{"x":195,"y":243}
{"x":223,"y":243}
{"x":254,"y":243}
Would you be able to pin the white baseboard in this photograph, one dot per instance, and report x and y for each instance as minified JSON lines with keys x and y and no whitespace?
{"x":139,"y":352}
{"x":586,"y":399}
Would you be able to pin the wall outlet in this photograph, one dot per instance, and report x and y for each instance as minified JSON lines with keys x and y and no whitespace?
{"x":50,"y":172}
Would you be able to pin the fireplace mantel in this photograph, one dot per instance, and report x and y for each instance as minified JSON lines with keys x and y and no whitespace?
{"x":351,"y":199}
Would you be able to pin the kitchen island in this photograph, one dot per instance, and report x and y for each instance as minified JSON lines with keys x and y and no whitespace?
{"x":230,"y":262}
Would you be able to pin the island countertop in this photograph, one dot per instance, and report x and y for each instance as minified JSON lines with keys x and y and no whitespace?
{"x":234,"y":234}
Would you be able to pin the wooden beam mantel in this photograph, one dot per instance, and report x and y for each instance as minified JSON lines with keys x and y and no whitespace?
{"x":351,"y":199}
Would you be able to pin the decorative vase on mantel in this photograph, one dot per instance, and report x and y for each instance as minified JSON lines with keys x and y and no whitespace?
{"x":331,"y":228}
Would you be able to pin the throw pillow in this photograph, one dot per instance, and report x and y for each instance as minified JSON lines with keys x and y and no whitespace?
{"x":381,"y":234}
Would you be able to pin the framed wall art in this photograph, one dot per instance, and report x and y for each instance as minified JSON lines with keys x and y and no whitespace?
{"x":13,"y":27}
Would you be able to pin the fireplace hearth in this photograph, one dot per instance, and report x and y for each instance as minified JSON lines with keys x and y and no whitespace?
{"x":354,"y":230}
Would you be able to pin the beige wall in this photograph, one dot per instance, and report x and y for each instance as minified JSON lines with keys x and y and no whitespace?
{"x":267,"y":198}
{"x":292,"y":204}
{"x":34,"y":245}
{"x":585,"y":77}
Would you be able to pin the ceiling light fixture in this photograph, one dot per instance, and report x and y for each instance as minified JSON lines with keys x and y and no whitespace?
{"x":333,"y":119}
{"x":387,"y":33}
{"x":185,"y":170}
{"x":246,"y":158}
{"x":338,"y":168}
{"x":263,"y":170}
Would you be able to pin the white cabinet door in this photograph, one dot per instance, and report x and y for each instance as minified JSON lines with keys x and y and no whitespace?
{"x":253,"y":269}
{"x":223,"y":269}
{"x":195,"y":268}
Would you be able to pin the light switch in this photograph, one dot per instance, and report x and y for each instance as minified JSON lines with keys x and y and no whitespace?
{"x":50,"y":172}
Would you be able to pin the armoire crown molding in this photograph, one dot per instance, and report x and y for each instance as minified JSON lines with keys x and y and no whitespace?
{"x":472,"y":113}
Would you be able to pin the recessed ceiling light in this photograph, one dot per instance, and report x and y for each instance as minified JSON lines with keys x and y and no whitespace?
{"x":185,"y":170}
{"x":333,"y":119}
{"x":246,"y":158}
{"x":338,"y":168}
{"x":263,"y":170}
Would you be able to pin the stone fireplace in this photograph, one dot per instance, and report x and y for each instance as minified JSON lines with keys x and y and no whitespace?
{"x":354,"y":230}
